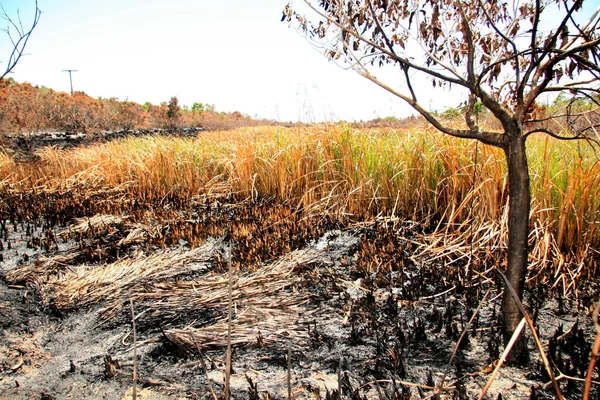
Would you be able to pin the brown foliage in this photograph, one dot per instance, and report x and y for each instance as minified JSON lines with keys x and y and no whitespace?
{"x":28,"y":108}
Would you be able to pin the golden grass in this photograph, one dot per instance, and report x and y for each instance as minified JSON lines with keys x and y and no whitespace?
{"x":417,"y":174}
{"x":6,"y":162}
{"x":325,"y":168}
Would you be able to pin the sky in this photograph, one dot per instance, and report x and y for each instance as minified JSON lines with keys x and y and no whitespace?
{"x":234,"y":54}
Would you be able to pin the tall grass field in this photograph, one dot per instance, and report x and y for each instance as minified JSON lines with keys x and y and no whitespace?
{"x":457,"y":188}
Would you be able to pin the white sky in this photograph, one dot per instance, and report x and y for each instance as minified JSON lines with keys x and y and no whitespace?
{"x":235,"y":54}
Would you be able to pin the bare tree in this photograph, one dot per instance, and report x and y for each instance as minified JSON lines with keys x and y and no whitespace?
{"x":18,"y":36}
{"x":503,"y":54}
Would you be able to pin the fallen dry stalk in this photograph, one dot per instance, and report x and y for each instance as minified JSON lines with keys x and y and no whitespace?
{"x":505,"y":353}
{"x":538,"y":342}
{"x":139,"y":233}
{"x":264,"y":308}
{"x":229,"y":328}
{"x":112,"y":283}
{"x":595,"y":349}
{"x":562,"y":376}
{"x":280,"y":321}
{"x":405,"y":383}
{"x":166,"y":286}
{"x":289,"y":371}
{"x":203,"y":364}
{"x":134,"y":375}
{"x":103,"y":225}
{"x":462,"y":335}
{"x":168,"y":300}
{"x":44,"y":268}
{"x":96,"y":223}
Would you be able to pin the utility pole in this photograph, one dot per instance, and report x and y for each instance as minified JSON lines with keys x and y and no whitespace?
{"x":70,"y":71}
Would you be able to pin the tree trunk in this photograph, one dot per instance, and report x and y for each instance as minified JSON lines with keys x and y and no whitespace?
{"x":518,"y":233}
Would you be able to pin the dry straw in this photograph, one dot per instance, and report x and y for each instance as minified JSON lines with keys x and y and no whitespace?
{"x":111,"y":284}
{"x":172,"y":284}
{"x":415,"y":174}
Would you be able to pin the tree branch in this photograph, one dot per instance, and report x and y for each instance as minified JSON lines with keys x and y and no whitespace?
{"x":536,"y":61}
{"x":556,"y":116}
{"x":585,"y":35}
{"x":470,"y":48}
{"x":458,"y":80}
{"x":21,"y":43}
{"x":390,"y":46}
{"x":578,"y":136}
{"x":571,"y":88}
{"x":547,"y":69}
{"x":492,"y":138}
{"x":534,"y":32}
{"x":516,"y":53}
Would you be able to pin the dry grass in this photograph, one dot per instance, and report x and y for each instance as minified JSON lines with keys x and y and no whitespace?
{"x":170,"y":285}
{"x":115,"y":283}
{"x":44,"y":268}
{"x":63,"y":262}
{"x":95,"y":223}
{"x":337,"y":170}
{"x":252,"y":326}
{"x":6,"y":162}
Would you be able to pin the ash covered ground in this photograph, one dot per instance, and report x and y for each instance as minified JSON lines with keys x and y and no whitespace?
{"x":360,"y":307}
{"x":362,"y":315}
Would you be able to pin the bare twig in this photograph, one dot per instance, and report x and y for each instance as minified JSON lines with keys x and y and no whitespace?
{"x":340,"y":378}
{"x":538,"y":342}
{"x":229,"y":322}
{"x":595,"y":349}
{"x":425,"y":387}
{"x":20,"y":41}
{"x":203,"y":364}
{"x":289,"y":371}
{"x":507,"y":350}
{"x":562,"y":376}
{"x":462,"y":335}
{"x":134,"y":390}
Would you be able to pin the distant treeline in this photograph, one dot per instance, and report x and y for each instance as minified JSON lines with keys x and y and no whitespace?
{"x":28,"y":108}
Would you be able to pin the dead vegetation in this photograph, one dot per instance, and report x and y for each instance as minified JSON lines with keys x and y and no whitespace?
{"x":358,"y":298}
{"x":366,"y":295}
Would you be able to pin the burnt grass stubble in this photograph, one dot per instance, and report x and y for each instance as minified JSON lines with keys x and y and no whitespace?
{"x":378,"y":312}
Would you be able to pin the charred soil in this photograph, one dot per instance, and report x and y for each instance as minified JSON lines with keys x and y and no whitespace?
{"x":361,"y":309}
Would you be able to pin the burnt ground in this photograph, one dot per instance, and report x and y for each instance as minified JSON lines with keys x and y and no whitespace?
{"x":22,"y":146}
{"x":362,"y":312}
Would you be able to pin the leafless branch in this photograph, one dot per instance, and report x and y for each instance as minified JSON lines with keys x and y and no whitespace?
{"x":470,"y":48}
{"x":546,"y":68}
{"x":22,"y":35}
{"x":556,"y":116}
{"x":548,"y":45}
{"x":405,"y":67}
{"x":577,"y":136}
{"x":491,"y":138}
{"x":534,"y":33}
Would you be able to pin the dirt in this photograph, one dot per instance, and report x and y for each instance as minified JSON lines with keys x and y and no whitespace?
{"x":361,"y":314}
{"x":23,"y":146}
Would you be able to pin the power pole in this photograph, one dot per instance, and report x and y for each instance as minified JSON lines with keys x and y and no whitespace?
{"x":70,"y":71}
